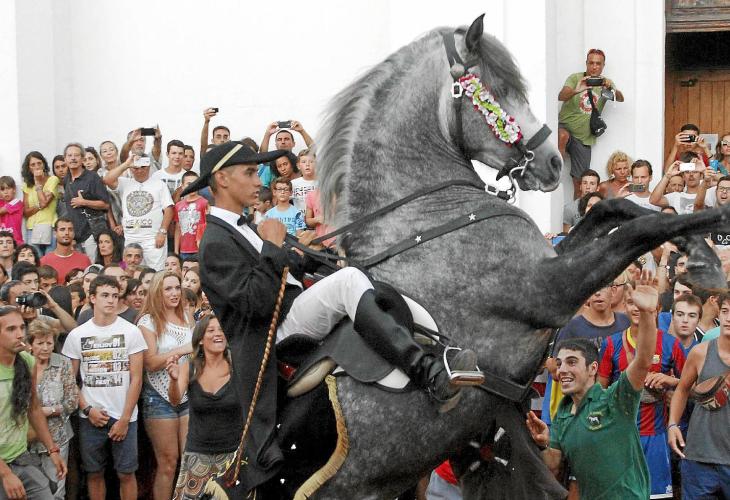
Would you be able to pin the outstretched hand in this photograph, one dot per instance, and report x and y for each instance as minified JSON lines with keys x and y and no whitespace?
{"x":538,"y":430}
{"x":646,"y":293}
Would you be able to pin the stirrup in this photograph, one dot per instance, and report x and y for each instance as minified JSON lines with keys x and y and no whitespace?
{"x":462,"y":378}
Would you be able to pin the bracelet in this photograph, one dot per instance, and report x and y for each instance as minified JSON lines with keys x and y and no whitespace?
{"x":672,"y":425}
{"x":54,"y":449}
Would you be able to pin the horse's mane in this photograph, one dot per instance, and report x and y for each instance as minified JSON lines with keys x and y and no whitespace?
{"x":346,"y":112}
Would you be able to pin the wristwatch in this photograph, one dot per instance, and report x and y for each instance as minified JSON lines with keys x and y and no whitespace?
{"x":87,"y":410}
{"x":162,"y":231}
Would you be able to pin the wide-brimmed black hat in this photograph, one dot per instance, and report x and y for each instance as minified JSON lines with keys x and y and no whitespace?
{"x":226,"y":155}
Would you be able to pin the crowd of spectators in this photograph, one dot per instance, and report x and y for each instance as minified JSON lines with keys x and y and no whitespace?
{"x":98,"y":258}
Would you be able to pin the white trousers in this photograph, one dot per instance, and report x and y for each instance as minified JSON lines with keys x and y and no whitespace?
{"x":320,"y":307}
{"x":151,"y":255}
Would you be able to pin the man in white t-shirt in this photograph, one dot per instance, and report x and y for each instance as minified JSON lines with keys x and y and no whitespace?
{"x":108,"y":351}
{"x":683,"y":202}
{"x":639,"y":188}
{"x":147,"y":210}
{"x":172,"y":174}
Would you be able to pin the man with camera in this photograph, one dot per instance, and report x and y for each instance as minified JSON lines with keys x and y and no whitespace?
{"x":691,"y":167}
{"x":221,"y":133}
{"x":641,"y":173}
{"x":284,"y":138}
{"x":137,"y":143}
{"x":688,"y":140}
{"x":574,"y":131}
{"x":29,"y":302}
{"x":146,"y":207}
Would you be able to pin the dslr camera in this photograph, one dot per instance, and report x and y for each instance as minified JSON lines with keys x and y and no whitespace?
{"x":32,"y":299}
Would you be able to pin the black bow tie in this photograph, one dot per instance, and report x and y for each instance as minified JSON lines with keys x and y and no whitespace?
{"x":244,"y":219}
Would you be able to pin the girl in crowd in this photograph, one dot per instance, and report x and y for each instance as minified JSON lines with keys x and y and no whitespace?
{"x":214,"y":407}
{"x":135,"y":294}
{"x":721,"y":160}
{"x":57,"y":392}
{"x":285,"y":166}
{"x":58,"y":165}
{"x":92,"y":160}
{"x":40,"y":198}
{"x":108,"y":250}
{"x":27,"y":253}
{"x":110,"y":157}
{"x":191,"y":281}
{"x":619,"y":169}
{"x":168,"y":332}
{"x":74,"y":276}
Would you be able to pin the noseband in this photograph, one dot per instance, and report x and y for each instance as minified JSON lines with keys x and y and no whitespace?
{"x":502,"y":125}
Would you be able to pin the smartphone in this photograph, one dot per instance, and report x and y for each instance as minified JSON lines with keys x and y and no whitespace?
{"x":285,"y":124}
{"x":717,"y":167}
{"x":594,"y":81}
{"x":147,"y":131}
{"x":214,"y":110}
{"x":637,"y":188}
{"x":142,"y":161}
{"x":687,"y":167}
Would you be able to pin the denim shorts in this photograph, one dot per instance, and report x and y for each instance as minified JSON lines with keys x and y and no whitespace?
{"x":155,"y":406}
{"x":93,"y":442}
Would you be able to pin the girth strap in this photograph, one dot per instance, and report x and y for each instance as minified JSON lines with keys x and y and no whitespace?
{"x":463,"y":221}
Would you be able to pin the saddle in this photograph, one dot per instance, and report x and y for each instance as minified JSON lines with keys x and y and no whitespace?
{"x":304,"y":362}
{"x":713,"y":393}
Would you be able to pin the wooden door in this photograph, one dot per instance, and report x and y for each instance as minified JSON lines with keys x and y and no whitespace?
{"x":701,"y":97}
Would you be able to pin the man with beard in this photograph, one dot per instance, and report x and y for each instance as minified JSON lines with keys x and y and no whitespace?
{"x":595,"y":422}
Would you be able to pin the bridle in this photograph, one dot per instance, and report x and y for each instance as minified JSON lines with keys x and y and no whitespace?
{"x":524,"y":153}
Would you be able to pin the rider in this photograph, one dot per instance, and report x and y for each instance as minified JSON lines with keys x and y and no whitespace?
{"x":574,"y":132}
{"x":241,"y":271}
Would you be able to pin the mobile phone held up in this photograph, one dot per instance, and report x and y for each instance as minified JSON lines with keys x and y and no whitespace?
{"x":637,"y":188}
{"x":147,"y":131}
{"x":284,"y":124}
{"x":687,"y":167}
{"x":594,"y":81}
{"x":142,"y":161}
{"x":717,"y":167}
{"x":214,"y":110}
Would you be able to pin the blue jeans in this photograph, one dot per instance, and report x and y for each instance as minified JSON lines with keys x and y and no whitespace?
{"x":705,"y":481}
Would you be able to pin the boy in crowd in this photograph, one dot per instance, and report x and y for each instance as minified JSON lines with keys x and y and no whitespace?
{"x":48,"y":278}
{"x":263,"y":205}
{"x":284,"y":211}
{"x":641,"y":173}
{"x":108,"y":351}
{"x":666,"y":365}
{"x":172,"y":174}
{"x":589,"y":182}
{"x":686,"y":316}
{"x":11,"y":210}
{"x":307,"y":182}
{"x":190,"y":219}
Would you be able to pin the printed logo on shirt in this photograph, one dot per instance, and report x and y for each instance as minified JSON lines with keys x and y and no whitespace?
{"x":105,"y":360}
{"x":594,"y":420}
{"x":189,"y":218}
{"x":139,"y":203}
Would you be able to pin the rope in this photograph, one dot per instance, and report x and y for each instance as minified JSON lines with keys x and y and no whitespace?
{"x":259,"y":380}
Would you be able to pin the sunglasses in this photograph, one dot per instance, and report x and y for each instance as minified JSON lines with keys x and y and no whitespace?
{"x":724,"y":143}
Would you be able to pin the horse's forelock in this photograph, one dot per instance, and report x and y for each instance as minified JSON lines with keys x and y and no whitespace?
{"x":499,"y":64}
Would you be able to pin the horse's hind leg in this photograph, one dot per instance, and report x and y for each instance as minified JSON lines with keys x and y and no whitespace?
{"x":600,"y":260}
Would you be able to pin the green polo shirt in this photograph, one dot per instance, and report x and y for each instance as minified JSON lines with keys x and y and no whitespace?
{"x":13,"y":436}
{"x":575,"y":113}
{"x":601,"y":442}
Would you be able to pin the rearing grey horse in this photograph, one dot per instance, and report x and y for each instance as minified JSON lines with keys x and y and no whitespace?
{"x":494,"y":285}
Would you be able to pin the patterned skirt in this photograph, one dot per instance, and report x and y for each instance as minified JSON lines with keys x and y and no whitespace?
{"x":196,"y":469}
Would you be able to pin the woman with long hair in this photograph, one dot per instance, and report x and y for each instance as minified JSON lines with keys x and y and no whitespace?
{"x":40,"y":199}
{"x":57,"y":392}
{"x":207,"y":381}
{"x":108,"y":250}
{"x":721,"y":160}
{"x":27,"y":253}
{"x":168,"y":332}
{"x":110,"y":158}
{"x":285,"y":166}
{"x":618,"y":167}
{"x":92,"y":160}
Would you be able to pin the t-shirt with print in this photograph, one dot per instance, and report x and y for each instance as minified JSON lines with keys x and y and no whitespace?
{"x":642,"y":202}
{"x":683,"y":203}
{"x":12,"y":221}
{"x":292,"y":218}
{"x":300,"y":188}
{"x":103,"y":352}
{"x":190,"y":216}
{"x":172,"y":181}
{"x":143,"y":204}
{"x":13,"y":436}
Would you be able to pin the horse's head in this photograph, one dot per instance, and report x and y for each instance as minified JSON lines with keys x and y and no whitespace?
{"x":492,"y":121}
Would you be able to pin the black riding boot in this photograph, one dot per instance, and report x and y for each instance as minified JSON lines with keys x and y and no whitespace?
{"x":395,"y":344}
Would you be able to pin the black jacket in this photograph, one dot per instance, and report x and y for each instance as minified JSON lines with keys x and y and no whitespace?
{"x":242,"y":286}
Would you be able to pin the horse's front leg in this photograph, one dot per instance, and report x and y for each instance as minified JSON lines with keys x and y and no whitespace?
{"x":564,"y":282}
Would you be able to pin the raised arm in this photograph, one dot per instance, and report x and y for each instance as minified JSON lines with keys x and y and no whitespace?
{"x":157,"y":145}
{"x":540,"y":433}
{"x":568,"y":92}
{"x":646,"y":298}
{"x":270,"y":130}
{"x":657,"y":196}
{"x":297,"y":126}
{"x":208,"y":113}
{"x":111,"y":179}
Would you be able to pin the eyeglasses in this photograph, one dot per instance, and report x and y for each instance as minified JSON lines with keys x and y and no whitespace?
{"x":723,"y":190}
{"x":724,"y":143}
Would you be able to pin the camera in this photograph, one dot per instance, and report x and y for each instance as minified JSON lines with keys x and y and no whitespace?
{"x":689,"y":138}
{"x":637,"y":188}
{"x":142,"y":161}
{"x":147,"y":131}
{"x":687,"y":167}
{"x":32,"y":299}
{"x":285,"y":124}
{"x":594,"y":81}
{"x":214,"y":110}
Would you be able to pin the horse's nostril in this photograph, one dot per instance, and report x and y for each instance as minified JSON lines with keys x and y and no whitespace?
{"x":556,"y":161}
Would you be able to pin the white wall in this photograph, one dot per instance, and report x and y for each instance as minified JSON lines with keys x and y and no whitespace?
{"x":9,"y":111}
{"x":91,"y":70}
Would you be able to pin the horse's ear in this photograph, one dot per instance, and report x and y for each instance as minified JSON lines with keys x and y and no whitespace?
{"x":476,"y":30}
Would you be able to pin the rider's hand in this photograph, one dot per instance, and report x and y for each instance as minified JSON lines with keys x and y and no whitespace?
{"x":273,"y":231}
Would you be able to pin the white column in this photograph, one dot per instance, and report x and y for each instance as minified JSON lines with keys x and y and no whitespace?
{"x":9,"y":111}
